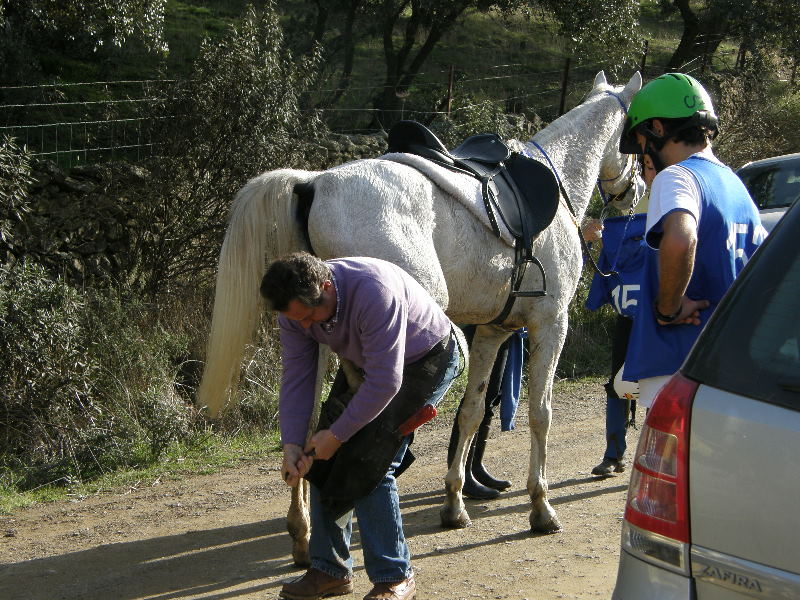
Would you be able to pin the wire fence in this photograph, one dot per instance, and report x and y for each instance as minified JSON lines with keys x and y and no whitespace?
{"x":74,"y":123}
{"x":94,"y":122}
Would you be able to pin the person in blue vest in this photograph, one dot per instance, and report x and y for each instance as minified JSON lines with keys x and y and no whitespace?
{"x":622,"y":256}
{"x":700,"y":219}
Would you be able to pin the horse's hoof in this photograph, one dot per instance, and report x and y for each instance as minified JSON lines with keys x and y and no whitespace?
{"x":301,"y":558}
{"x":459,"y":522}
{"x":550,"y":524}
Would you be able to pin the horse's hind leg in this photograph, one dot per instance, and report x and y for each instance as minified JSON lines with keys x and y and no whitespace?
{"x":482,"y":355}
{"x":298,"y":523}
{"x":545,"y":349}
{"x":298,"y":519}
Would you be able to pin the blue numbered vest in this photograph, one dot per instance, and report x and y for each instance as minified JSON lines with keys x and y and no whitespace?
{"x":624,"y":252}
{"x":728,"y":233}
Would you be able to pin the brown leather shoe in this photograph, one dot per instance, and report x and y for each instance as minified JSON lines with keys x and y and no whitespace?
{"x":314,"y":585}
{"x":397,"y":590}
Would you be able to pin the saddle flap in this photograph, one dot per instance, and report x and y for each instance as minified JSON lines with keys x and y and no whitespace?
{"x":534,"y":210}
{"x":485,"y":147}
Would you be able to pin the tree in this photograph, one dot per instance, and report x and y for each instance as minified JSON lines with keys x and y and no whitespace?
{"x":758,"y":25}
{"x":102,"y":21}
{"x":704,"y":28}
{"x":409,"y":31}
{"x":95,"y":23}
{"x":607,"y":29}
{"x":769,"y":27}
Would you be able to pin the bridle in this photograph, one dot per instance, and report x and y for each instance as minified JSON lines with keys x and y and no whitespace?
{"x":632,"y":171}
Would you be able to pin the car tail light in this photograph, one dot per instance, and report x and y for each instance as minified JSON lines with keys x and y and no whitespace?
{"x":656,"y":527}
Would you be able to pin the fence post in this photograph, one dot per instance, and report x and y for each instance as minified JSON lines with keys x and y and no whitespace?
{"x":644,"y":57}
{"x":564,"y":82}
{"x":450,"y":89}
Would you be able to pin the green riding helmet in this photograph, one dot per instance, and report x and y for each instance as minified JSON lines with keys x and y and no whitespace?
{"x":671,"y":96}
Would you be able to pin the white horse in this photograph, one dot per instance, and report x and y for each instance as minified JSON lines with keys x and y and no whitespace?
{"x":391,"y":211}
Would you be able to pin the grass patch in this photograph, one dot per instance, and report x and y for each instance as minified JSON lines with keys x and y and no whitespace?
{"x":208,"y":453}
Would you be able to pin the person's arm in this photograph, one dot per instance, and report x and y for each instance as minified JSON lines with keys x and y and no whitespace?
{"x":299,"y":355}
{"x":676,"y":264}
{"x":382,"y":321}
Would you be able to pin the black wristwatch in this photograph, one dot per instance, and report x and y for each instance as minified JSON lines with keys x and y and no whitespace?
{"x":666,"y":318}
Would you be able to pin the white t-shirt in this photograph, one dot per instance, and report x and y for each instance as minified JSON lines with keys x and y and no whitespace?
{"x":674,"y":188}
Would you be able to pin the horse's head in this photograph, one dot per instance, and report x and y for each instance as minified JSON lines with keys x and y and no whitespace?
{"x":619,"y":181}
{"x":582,"y":146}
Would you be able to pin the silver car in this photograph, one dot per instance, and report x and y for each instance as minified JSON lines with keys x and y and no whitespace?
{"x":713,"y":508}
{"x":774,"y":184}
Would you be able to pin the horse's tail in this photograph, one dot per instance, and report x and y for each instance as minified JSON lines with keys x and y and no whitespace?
{"x":263,"y":224}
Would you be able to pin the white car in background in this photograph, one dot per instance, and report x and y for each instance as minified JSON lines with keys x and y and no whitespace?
{"x":713,"y":507}
{"x":774,"y":184}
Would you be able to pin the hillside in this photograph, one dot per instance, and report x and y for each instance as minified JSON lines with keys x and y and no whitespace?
{"x":507,"y":59}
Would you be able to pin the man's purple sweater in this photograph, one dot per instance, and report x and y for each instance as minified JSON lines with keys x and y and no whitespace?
{"x":384,"y":320}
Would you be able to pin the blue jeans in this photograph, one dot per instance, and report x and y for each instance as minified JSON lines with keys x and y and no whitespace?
{"x":386,"y":554}
{"x":616,"y":427}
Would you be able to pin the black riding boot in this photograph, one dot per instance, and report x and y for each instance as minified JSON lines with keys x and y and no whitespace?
{"x":478,"y":470}
{"x":472,"y":488}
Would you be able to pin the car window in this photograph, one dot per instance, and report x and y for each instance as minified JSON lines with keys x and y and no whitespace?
{"x":775,"y":185}
{"x":751,"y":346}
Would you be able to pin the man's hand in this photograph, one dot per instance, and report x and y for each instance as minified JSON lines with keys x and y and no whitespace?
{"x":323,"y":444}
{"x":592,"y":230}
{"x":296,"y":464}
{"x":688,"y":314}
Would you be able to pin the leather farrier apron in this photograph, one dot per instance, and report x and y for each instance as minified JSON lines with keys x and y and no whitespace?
{"x":361,"y":462}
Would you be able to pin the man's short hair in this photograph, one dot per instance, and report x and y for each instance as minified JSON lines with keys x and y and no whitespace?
{"x":298,"y":276}
{"x":694,"y":135}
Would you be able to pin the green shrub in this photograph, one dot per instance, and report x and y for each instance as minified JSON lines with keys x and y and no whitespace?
{"x":236,"y":116}
{"x":15,"y":177}
{"x":256,"y":408}
{"x":469,"y":118}
{"x":757,"y":115}
{"x":86,"y":381}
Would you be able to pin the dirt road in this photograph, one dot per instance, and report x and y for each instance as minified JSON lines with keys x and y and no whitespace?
{"x":222,"y":536}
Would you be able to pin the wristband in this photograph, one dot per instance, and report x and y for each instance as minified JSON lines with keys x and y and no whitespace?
{"x":666,"y":318}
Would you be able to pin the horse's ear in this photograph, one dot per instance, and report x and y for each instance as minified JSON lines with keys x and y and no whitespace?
{"x":600,"y":79}
{"x":633,"y":86}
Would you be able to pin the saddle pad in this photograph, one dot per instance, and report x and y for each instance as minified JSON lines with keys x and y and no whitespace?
{"x":464,"y":188}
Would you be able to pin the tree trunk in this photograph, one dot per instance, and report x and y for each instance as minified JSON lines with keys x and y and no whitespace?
{"x":403,"y":63}
{"x":703,"y":31}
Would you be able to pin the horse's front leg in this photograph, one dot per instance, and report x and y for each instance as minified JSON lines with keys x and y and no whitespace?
{"x":545,"y":349}
{"x":298,"y":519}
{"x":482,"y":354}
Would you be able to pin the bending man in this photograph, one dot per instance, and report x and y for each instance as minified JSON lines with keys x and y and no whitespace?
{"x":376,"y":316}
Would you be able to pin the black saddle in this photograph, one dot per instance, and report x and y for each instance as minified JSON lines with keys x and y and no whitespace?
{"x":522,"y":192}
